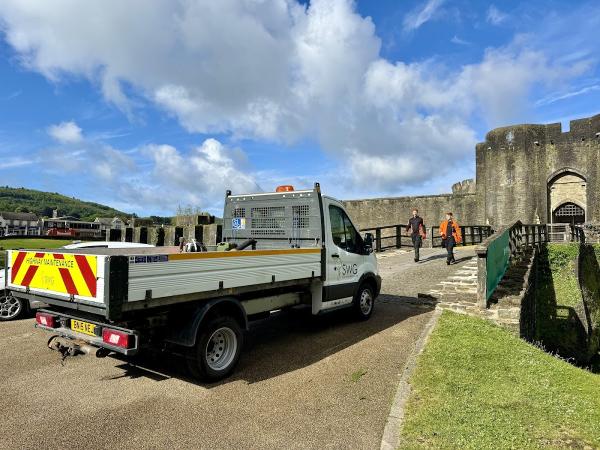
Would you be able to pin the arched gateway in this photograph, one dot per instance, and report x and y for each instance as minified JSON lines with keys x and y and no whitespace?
{"x":567,"y":196}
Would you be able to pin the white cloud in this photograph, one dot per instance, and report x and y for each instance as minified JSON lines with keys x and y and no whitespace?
{"x":13,"y":162}
{"x":282,"y":72}
{"x":156,"y":177}
{"x":495,"y":16}
{"x":66,"y":132}
{"x":201,"y":175}
{"x":421,"y":14}
{"x":459,"y":41}
{"x":558,"y":96}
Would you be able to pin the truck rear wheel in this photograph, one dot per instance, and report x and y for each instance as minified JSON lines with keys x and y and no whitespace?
{"x":217,"y":350}
{"x":364,"y":301}
{"x":11,"y":307}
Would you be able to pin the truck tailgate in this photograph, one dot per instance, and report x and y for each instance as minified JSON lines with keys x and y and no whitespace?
{"x":74,"y":277}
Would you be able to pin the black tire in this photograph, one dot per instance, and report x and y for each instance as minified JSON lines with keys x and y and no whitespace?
{"x":364,"y":301}
{"x":11,"y":307}
{"x":206,"y":361}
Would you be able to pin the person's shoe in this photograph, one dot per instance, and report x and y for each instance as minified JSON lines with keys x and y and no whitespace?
{"x":447,"y":262}
{"x":416,"y":259}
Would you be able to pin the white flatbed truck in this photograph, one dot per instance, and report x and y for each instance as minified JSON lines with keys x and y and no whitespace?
{"x":280,"y":249}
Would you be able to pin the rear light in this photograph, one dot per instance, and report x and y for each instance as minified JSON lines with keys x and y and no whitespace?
{"x":117,"y":338}
{"x":46,"y":320}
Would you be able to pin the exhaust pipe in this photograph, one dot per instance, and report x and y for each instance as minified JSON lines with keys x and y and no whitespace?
{"x":69,"y":347}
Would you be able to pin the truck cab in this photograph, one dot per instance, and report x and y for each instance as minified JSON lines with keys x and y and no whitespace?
{"x":298,"y":219}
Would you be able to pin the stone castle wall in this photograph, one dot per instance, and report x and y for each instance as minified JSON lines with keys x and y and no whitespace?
{"x":397,"y":210}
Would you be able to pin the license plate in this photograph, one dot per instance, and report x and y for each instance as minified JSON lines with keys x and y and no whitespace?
{"x":83,"y":327}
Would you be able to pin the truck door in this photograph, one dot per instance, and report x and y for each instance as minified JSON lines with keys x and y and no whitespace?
{"x":345,"y":257}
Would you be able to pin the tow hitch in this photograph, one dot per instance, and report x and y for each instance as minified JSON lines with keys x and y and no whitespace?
{"x":72,"y":347}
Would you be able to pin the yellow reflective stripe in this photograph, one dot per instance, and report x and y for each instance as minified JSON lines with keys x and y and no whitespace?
{"x":80,"y":283}
{"x":234,"y":254}
{"x":23,"y":269}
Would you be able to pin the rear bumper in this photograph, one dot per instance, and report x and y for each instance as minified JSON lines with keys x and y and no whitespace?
{"x":65,"y":331}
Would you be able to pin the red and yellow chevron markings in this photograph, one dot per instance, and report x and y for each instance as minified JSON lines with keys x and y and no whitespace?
{"x":57,"y":272}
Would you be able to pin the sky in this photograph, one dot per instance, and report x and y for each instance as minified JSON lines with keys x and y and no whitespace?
{"x":147,"y":106}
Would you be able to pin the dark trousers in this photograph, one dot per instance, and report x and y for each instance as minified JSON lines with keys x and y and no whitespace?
{"x":450,"y":247}
{"x":416,"y":239}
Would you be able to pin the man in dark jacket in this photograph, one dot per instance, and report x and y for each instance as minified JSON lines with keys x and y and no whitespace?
{"x":416,"y":227}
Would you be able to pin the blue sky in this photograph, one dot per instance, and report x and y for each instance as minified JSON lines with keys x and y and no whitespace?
{"x":147,"y":106}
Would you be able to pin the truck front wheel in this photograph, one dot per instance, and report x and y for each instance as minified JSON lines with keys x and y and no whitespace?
{"x":364,"y":301}
{"x":217,"y":350}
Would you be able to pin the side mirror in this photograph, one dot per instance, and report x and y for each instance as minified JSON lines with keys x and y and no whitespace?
{"x":368,"y":242}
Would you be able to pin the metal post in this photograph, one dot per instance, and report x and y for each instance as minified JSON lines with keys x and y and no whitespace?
{"x":398,"y":236}
{"x":378,"y":240}
{"x":482,"y":279}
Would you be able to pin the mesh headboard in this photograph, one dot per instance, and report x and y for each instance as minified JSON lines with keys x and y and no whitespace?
{"x":275,"y":220}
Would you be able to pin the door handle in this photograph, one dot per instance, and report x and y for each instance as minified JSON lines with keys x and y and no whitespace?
{"x":335,"y":255}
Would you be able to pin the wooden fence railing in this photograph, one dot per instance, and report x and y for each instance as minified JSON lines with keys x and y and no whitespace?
{"x":395,"y":236}
{"x":471,"y":234}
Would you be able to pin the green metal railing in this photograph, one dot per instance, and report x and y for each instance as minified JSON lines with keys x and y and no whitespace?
{"x":497,"y":261}
{"x":496,"y":253}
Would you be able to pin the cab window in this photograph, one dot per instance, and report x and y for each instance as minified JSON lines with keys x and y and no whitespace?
{"x":338,"y":232}
{"x":343,"y":233}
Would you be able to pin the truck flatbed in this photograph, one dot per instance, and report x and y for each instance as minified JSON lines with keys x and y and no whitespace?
{"x":111,"y":282}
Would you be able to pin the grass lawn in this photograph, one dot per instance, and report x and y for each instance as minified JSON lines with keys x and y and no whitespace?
{"x":9,"y":244}
{"x":560,"y":312}
{"x":558,"y":296}
{"x":478,"y":386}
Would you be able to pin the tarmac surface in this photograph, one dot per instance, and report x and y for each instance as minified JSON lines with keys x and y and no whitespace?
{"x":302,"y":382}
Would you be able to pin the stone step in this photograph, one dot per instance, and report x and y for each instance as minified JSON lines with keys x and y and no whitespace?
{"x":462,"y":291}
{"x":453,"y":284}
{"x":506,"y":301}
{"x":463,"y":278}
{"x":458,"y":283}
{"x":457,"y":298}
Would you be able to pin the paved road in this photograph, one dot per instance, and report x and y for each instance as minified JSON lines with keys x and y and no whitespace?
{"x":294,"y":387}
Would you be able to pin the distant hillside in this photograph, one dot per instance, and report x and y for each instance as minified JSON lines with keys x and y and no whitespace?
{"x":42,"y":204}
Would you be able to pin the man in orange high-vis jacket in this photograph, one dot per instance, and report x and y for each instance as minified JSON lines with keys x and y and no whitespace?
{"x":451,"y":235}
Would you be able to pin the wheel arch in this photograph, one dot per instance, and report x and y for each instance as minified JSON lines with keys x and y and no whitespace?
{"x":373,"y":280}
{"x":188,"y":332}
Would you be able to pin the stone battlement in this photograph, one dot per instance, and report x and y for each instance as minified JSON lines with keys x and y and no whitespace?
{"x":582,"y":130}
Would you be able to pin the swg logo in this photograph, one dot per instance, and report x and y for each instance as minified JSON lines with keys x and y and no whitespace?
{"x":348,"y":270}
